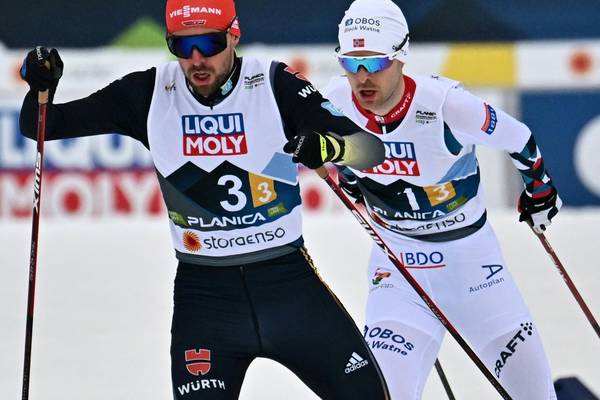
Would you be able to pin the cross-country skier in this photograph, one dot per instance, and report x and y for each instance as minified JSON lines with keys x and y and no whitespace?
{"x":427,"y":204}
{"x":216,"y":126}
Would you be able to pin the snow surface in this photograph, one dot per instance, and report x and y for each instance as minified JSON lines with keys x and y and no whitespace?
{"x":104,"y":299}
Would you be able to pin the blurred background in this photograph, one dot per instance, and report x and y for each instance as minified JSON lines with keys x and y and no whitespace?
{"x":106,"y":266}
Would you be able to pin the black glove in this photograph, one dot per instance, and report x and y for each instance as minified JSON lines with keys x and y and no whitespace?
{"x":36,"y":73}
{"x":314,"y":149}
{"x":538,"y":212}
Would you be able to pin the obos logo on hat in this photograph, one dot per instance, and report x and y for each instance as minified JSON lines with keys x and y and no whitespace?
{"x":211,"y":14}
{"x":374,"y":25}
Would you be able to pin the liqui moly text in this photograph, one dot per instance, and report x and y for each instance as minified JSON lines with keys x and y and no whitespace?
{"x":400,"y":159}
{"x":214,"y":135}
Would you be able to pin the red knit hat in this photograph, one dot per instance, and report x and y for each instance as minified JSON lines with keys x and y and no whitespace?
{"x":212,"y":14}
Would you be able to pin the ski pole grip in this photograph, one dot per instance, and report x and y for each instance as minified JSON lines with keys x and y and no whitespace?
{"x":322,"y":172}
{"x":43,"y":94}
{"x":43,"y":97}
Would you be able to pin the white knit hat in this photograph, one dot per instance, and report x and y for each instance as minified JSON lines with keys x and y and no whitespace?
{"x":374,"y":25}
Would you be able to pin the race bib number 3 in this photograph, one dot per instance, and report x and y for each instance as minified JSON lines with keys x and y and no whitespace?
{"x":438,"y":194}
{"x":263,"y":190}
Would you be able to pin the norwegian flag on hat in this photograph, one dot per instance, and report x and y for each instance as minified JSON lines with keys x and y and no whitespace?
{"x":358,"y":42}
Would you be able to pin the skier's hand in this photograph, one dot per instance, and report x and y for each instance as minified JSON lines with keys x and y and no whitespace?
{"x":42,"y":69}
{"x":538,"y":212}
{"x":314,"y":149}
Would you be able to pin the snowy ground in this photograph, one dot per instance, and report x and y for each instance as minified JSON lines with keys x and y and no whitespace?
{"x":103,"y":306}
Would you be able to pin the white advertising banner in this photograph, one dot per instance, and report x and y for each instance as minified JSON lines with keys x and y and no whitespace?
{"x":112,"y":175}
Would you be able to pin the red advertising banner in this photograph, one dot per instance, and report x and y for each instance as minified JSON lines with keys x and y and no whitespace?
{"x":101,"y":176}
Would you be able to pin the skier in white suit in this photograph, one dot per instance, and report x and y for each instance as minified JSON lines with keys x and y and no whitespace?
{"x":427,"y":204}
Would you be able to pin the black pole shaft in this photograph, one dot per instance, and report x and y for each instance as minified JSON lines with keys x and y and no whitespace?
{"x":563,"y":273}
{"x":445,"y":383}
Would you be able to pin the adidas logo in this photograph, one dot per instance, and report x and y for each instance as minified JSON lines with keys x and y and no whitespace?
{"x":355,"y":363}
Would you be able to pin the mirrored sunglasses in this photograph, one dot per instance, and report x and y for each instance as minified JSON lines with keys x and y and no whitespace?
{"x":208,"y":44}
{"x":372,"y":64}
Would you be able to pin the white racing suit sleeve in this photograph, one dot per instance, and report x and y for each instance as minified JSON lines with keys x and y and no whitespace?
{"x":473,"y":121}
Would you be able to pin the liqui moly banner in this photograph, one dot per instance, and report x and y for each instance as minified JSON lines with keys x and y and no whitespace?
{"x":113,"y":175}
{"x":106,"y":175}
